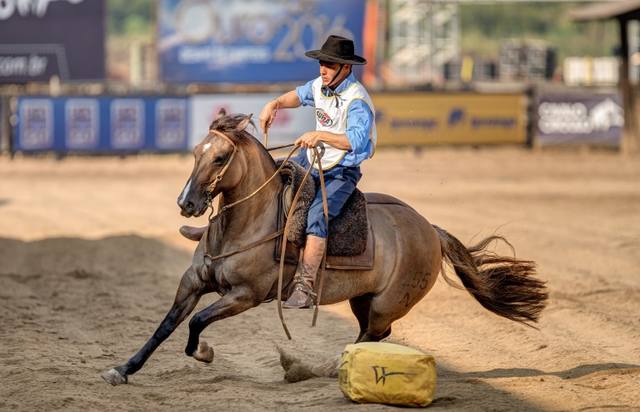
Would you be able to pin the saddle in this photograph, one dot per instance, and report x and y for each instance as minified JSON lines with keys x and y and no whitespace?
{"x":351,"y":242}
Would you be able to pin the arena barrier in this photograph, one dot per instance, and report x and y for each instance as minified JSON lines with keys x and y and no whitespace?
{"x":288,"y":125}
{"x":451,"y":118}
{"x":578,"y":116}
{"x":101,"y":124}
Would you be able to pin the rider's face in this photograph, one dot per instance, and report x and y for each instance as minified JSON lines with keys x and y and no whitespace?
{"x":328,"y":70}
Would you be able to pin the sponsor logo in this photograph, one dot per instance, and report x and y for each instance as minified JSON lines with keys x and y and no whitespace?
{"x":324,"y":118}
{"x":171,"y":121}
{"x":82,"y":123}
{"x":456,"y":116}
{"x":25,"y":8}
{"x":36,"y":124}
{"x":414,"y":123}
{"x":381,"y":374}
{"x":127,"y":123}
{"x":577,"y":118}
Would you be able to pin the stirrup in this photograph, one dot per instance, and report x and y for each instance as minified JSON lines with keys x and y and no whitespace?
{"x":301,"y":297}
{"x":303,"y":287}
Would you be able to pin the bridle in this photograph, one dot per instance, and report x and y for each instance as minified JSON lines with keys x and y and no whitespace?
{"x":212,"y":186}
{"x":209,"y":259}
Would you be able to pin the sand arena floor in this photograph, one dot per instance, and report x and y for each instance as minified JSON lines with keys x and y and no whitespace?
{"x":90,"y":258}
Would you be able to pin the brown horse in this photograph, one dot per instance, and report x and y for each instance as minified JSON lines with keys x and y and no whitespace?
{"x":409,"y":254}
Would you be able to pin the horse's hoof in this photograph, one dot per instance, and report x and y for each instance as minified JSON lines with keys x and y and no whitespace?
{"x":298,"y":372}
{"x":286,"y":359}
{"x":114,"y":377}
{"x":204,"y":353}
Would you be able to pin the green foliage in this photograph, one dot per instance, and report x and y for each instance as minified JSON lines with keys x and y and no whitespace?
{"x":485,"y":26}
{"x":129,"y":17}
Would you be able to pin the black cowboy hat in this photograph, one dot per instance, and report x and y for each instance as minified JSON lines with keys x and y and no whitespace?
{"x":337,"y":49}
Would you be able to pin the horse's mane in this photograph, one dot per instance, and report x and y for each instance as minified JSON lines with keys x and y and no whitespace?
{"x":228,"y":124}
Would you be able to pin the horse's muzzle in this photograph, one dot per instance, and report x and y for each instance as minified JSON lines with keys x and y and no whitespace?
{"x":189,"y":209}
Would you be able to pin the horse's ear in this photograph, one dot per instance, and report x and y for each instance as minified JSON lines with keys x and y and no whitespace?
{"x":222,"y":112}
{"x":244,"y":123}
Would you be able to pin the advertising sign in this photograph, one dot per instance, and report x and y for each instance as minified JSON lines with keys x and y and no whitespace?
{"x":101,"y":125}
{"x":460,"y":118}
{"x":171,"y":123}
{"x":83,"y":123}
{"x":288,"y":125}
{"x":36,"y":124}
{"x":250,"y":41}
{"x":42,"y":38}
{"x":579,"y":117}
{"x":127,"y":123}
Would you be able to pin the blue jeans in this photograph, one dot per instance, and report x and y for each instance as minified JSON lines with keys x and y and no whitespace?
{"x":340,"y":182}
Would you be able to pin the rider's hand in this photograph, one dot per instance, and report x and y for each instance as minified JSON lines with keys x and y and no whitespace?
{"x":308,"y":140}
{"x":268,"y":115}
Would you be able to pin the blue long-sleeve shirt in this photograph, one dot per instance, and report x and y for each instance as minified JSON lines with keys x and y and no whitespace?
{"x":360,"y":120}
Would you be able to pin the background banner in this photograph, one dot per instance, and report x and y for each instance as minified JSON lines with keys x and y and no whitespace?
{"x":250,"y":41}
{"x":579,"y":117}
{"x":288,"y":125}
{"x":45,"y":38}
{"x":101,"y":124}
{"x":434,"y":118}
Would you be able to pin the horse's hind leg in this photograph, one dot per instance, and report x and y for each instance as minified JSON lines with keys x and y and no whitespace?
{"x":187,"y":297}
{"x":378,"y":328}
{"x":233,"y":303}
{"x":360,"y":306}
{"x":386,"y":308}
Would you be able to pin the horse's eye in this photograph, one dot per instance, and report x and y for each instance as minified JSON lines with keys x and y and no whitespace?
{"x":218,"y":160}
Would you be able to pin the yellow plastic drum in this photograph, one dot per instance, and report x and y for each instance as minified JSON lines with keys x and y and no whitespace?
{"x":377,"y":372}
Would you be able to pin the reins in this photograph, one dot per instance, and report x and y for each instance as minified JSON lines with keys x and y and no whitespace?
{"x":283,"y":232}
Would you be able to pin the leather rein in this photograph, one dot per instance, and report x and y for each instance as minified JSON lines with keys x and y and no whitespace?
{"x":209,"y":259}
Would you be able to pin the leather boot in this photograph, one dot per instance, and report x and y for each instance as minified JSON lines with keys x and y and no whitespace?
{"x":302,"y":295}
{"x":192,"y":232}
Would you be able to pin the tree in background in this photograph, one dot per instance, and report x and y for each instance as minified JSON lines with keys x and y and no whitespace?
{"x":129,"y":29}
{"x":485,"y":26}
{"x":130,"y":17}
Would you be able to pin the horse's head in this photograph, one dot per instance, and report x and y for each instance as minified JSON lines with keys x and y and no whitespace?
{"x":214,"y":169}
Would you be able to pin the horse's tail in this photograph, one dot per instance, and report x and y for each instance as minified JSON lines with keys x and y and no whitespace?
{"x":504,"y":285}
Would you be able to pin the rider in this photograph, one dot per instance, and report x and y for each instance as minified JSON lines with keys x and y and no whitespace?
{"x":345,"y":136}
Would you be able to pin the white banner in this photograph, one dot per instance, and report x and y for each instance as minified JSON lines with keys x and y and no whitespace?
{"x":288,"y":126}
{"x":127,"y":123}
{"x":36,"y":124}
{"x":82,"y":118}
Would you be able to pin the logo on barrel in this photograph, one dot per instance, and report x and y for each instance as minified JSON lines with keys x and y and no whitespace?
{"x":324,"y":118}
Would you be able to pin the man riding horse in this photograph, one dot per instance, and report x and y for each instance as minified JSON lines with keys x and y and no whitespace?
{"x":345,"y":136}
{"x":235,"y":255}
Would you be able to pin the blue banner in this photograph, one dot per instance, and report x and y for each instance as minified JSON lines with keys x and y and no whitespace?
{"x":101,"y":124}
{"x":250,"y":41}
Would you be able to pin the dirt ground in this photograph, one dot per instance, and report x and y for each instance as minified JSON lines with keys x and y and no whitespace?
{"x":90,"y":258}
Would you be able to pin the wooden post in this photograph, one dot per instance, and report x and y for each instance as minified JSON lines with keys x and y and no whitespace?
{"x":630,"y":134}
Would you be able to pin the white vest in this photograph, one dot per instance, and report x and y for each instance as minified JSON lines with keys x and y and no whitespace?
{"x":330,"y":118}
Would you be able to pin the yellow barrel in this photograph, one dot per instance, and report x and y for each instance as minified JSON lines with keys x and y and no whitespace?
{"x":375,"y":372}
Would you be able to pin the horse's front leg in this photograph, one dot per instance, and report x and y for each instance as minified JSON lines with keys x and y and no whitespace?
{"x":236,"y":301}
{"x":187,"y":296}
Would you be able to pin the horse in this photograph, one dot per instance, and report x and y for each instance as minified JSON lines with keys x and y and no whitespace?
{"x":409,"y":254}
